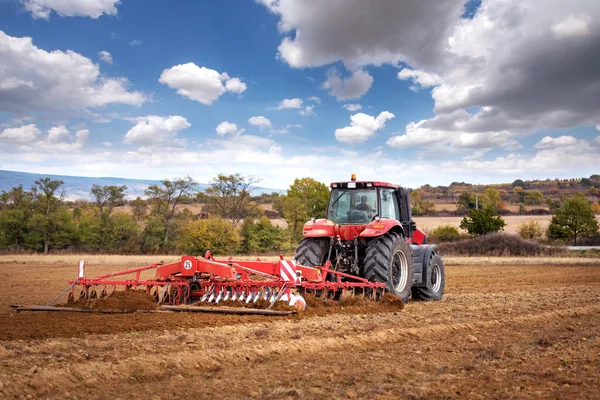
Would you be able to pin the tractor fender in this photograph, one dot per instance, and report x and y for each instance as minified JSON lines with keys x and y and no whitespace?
{"x":380,"y":227}
{"x":319,"y":228}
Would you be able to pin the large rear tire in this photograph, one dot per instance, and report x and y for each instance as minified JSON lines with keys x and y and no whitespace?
{"x":312,"y":252}
{"x":389,"y":260}
{"x":435,"y":281}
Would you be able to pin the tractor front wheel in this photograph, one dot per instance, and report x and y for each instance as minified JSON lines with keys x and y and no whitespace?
{"x":312,"y":252}
{"x":389,"y":260}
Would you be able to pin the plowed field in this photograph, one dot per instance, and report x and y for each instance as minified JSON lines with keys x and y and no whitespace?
{"x":504,"y":331}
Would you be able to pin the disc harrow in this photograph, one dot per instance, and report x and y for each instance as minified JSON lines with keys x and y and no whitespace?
{"x":194,"y":281}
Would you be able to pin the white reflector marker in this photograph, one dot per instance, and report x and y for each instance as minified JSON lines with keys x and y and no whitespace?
{"x":287,"y":270}
{"x":81,"y":269}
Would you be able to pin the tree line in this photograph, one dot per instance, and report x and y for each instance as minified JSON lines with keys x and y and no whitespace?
{"x":231,"y":220}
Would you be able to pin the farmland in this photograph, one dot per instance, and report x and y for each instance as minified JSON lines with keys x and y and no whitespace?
{"x":517,"y":330}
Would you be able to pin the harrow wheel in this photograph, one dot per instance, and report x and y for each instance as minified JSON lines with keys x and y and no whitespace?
{"x":389,"y":260}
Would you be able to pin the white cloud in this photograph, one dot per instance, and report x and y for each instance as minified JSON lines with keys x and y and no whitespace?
{"x":260,"y":121}
{"x":443,"y":133}
{"x":20,"y":136}
{"x":315,"y":99}
{"x":351,"y":88}
{"x":200,"y":83}
{"x":552,"y":143}
{"x":517,"y":67}
{"x":153,"y":131}
{"x":107,"y":144}
{"x":572,"y":27}
{"x":281,"y":131}
{"x":226,"y":128}
{"x":58,"y":134}
{"x":135,"y":42}
{"x":70,"y":8}
{"x":421,"y":79}
{"x":362,"y":127}
{"x":235,"y":85}
{"x":361,"y":32}
{"x":105,"y":56}
{"x":308,"y":111}
{"x":29,"y":138}
{"x":352,"y":107}
{"x":290,"y":126}
{"x":32,"y":78}
{"x":289,"y":103}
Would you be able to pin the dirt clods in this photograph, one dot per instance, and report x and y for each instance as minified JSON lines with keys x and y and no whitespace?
{"x":118,"y":301}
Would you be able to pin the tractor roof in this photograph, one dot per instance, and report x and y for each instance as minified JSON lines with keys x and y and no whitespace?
{"x":362,"y":184}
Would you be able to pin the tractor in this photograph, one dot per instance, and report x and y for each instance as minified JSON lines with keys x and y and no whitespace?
{"x":369,"y":232}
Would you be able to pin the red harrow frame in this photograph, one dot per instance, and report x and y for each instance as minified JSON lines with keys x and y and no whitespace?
{"x":194,"y":280}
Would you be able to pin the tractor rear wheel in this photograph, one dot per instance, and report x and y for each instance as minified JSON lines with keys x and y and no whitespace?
{"x":312,"y":252}
{"x":435,"y":281}
{"x":389,"y":260}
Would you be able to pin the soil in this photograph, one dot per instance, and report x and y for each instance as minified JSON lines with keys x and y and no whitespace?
{"x":118,"y":301}
{"x":500,"y":332}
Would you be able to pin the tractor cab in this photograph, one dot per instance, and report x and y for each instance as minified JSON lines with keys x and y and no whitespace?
{"x":358,"y":206}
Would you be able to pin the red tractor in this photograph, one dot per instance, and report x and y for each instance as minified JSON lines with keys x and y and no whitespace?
{"x":369,"y":232}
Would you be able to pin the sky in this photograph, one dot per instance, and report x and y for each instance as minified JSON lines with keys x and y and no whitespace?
{"x":405,"y":91}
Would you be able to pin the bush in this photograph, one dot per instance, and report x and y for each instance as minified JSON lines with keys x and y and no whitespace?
{"x":494,"y":244}
{"x":214,"y":234}
{"x":445,"y":233}
{"x":531,"y":230}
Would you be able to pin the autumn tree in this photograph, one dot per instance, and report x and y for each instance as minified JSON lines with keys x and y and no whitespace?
{"x":229,"y":197}
{"x":491,"y":199}
{"x":573,"y":220}
{"x":533,"y":197}
{"x":163,"y":200}
{"x":530,"y":230}
{"x":215,"y":234}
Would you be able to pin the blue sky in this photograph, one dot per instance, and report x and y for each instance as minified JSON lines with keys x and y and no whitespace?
{"x":279,"y":89}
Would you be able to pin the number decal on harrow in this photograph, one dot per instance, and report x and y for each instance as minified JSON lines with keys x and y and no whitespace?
{"x":187,"y":264}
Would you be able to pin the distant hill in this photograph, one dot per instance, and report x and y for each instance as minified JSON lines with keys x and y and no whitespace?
{"x":78,"y":187}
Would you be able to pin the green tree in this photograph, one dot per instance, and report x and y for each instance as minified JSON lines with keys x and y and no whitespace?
{"x":16,"y":207}
{"x":164,"y":200}
{"x":482,"y":221}
{"x":518,"y":182}
{"x":215,"y":234}
{"x":106,"y":198}
{"x":50,"y":222}
{"x":305,"y":198}
{"x":533,"y":197}
{"x":420,"y":206}
{"x":229,"y":197}
{"x":573,"y":220}
{"x":262,"y":236}
{"x":466,"y":200}
{"x":139,"y":207}
{"x":530,"y":230}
